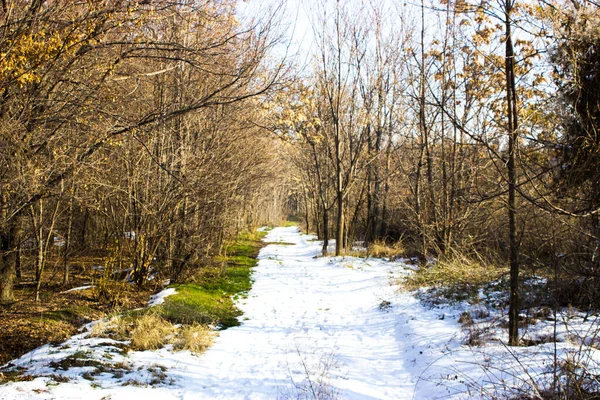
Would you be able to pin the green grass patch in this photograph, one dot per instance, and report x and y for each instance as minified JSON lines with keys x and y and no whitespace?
{"x":209,"y":298}
{"x":290,"y":224}
{"x":195,"y":303}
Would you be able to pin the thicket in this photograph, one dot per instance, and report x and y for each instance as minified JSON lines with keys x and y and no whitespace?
{"x":131,"y":134}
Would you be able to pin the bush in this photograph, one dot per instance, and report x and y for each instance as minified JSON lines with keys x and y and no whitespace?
{"x":110,"y":291}
{"x":583,"y":293}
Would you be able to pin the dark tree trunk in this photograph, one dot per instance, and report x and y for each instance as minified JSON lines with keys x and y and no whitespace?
{"x":67,"y":245}
{"x":6,"y":268}
{"x":514,"y":301}
{"x":325,"y":231}
{"x":9,"y":242}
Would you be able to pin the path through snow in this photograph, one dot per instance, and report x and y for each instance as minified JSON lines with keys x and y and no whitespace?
{"x":336,"y":325}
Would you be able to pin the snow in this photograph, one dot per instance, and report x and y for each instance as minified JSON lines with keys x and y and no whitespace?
{"x":160,"y":297}
{"x":75,"y":289}
{"x":340,"y":327}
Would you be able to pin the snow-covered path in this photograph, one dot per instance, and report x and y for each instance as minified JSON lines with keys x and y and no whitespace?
{"x":333,"y":325}
{"x":309,"y":318}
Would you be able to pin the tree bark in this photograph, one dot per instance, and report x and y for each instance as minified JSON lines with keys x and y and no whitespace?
{"x":511,"y":97}
{"x":6,"y":267}
{"x":67,"y":245}
{"x":325,"y":231}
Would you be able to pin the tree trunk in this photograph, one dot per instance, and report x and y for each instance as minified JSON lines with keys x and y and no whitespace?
{"x":67,"y":245}
{"x":339,"y":234}
{"x":423,"y":138}
{"x":6,"y":267}
{"x":325,"y":231}
{"x":513,"y":312}
{"x":18,"y":258}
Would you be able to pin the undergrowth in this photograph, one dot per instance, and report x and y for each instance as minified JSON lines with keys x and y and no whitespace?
{"x":455,"y":279}
{"x":567,"y":374}
{"x":209,"y":299}
{"x":380,"y":249}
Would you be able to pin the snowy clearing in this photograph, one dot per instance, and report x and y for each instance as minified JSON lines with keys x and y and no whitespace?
{"x":325,"y":327}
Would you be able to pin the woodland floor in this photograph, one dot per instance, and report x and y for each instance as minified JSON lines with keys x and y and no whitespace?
{"x":26,"y":324}
{"x":325,"y":328}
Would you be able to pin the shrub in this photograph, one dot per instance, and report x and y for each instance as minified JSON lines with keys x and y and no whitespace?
{"x":110,"y":291}
{"x":465,"y":319}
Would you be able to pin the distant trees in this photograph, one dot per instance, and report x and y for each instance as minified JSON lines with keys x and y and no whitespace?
{"x":352,"y":96}
{"x":576,"y":59}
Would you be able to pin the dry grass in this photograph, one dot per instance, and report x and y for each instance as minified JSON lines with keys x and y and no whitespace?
{"x":151,"y":331}
{"x":103,"y":326}
{"x":146,"y":332}
{"x":377,"y":249}
{"x":380,"y":249}
{"x":117,"y":327}
{"x":195,"y":338}
{"x":453,"y":279}
{"x":456,"y":271}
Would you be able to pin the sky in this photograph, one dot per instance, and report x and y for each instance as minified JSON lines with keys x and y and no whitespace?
{"x":298,"y":41}
{"x":297,"y":34}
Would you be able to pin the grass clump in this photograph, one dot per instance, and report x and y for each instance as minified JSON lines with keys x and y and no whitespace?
{"x":195,"y":338}
{"x":150,"y":332}
{"x":455,"y":279}
{"x":114,"y":326}
{"x":377,"y":249}
{"x":380,"y":249}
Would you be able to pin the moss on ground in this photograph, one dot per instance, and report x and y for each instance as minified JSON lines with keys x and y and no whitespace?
{"x":210,"y":297}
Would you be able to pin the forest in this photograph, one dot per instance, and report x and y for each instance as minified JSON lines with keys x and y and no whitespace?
{"x":145,"y":135}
